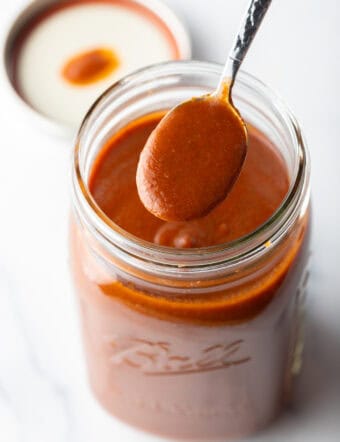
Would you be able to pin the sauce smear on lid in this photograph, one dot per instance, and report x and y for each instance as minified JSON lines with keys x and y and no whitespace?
{"x":90,"y":66}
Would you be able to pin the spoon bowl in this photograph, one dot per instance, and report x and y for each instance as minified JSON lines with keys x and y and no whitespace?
{"x":194,"y":156}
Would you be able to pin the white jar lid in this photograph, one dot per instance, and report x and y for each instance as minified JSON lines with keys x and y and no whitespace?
{"x":52,"y":44}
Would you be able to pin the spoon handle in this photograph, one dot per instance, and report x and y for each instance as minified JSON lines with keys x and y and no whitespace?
{"x":249,"y":26}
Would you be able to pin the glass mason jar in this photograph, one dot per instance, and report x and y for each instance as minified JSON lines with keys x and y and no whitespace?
{"x":191,"y":343}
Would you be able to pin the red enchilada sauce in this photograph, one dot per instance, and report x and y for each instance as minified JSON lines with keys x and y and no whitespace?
{"x":210,"y":360}
{"x":258,"y":192}
{"x":192,"y":158}
{"x":90,"y":66}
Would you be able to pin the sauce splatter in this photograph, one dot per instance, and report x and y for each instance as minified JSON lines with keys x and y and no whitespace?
{"x":90,"y":66}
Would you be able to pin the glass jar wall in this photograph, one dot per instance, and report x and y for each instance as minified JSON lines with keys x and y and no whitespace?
{"x":195,"y":343}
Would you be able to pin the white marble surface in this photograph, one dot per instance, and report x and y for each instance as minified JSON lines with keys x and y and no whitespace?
{"x":43,"y":390}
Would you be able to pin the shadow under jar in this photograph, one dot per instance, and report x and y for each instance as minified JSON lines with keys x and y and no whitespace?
{"x":191,"y":343}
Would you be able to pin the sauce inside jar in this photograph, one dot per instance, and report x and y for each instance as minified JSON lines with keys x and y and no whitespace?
{"x":199,"y":358}
{"x":258,"y":192}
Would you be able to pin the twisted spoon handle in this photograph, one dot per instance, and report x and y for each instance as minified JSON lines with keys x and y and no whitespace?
{"x":249,"y":26}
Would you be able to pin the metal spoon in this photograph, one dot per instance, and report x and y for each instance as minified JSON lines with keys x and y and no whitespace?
{"x":194,"y":156}
{"x":249,"y":26}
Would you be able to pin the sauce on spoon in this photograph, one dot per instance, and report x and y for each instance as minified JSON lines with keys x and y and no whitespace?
{"x":192,"y":159}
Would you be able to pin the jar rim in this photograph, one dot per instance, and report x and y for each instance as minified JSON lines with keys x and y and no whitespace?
{"x":141,"y":253}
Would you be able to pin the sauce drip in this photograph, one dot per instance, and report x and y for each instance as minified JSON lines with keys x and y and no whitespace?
{"x":90,"y":66}
{"x":192,"y":159}
{"x":258,"y":192}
